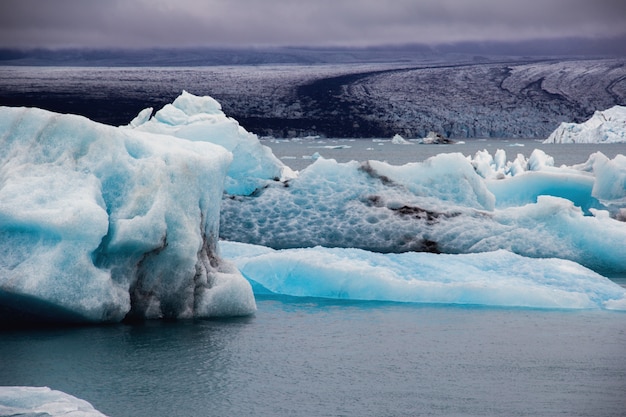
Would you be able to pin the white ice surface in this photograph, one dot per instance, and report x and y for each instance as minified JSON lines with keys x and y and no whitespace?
{"x":95,"y":219}
{"x":399,"y":140}
{"x":608,"y":126}
{"x":201,"y":119}
{"x":43,"y":402}
{"x":497,"y":278}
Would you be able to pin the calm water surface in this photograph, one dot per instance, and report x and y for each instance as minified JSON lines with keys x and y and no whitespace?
{"x":313,"y":357}
{"x":297,"y":154}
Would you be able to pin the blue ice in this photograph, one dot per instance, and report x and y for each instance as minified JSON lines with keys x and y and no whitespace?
{"x":497,"y":278}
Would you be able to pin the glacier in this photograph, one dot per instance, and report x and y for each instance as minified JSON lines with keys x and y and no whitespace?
{"x":43,"y":401}
{"x":498,"y":278}
{"x":608,"y":126}
{"x":99,"y":223}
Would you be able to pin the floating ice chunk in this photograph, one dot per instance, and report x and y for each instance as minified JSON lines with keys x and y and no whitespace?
{"x":331,"y":147}
{"x":497,"y":167}
{"x":441,"y":205}
{"x":609,"y":185}
{"x":610,"y":178}
{"x":555,"y":227}
{"x":526,"y":187}
{"x":98,"y":222}
{"x":313,"y":157}
{"x":497,"y":278}
{"x":371,"y":205}
{"x":201,"y":119}
{"x":434,"y":138}
{"x":539,"y":160}
{"x":597,"y":183}
{"x":44,"y":402}
{"x":608,"y":126}
{"x":399,"y":140}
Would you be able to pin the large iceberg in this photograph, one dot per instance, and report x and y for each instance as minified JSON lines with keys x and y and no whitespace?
{"x":448,"y":204}
{"x":99,"y":223}
{"x":608,"y":126}
{"x":497,"y":278}
{"x":43,"y":402}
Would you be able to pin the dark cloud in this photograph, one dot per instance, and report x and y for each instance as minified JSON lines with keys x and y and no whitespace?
{"x":184,"y":23}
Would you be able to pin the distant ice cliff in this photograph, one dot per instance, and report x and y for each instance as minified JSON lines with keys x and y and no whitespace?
{"x":608,"y":126}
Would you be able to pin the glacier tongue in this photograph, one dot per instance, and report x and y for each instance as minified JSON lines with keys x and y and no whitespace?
{"x":98,"y":222}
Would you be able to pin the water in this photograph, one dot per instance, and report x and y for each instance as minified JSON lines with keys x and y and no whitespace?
{"x":297,"y":153}
{"x":305,"y":357}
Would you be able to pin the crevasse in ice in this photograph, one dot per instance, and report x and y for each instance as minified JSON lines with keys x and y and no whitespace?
{"x":98,"y":223}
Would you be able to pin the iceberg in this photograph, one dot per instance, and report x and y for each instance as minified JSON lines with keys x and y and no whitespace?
{"x":446,"y":204}
{"x":99,"y":223}
{"x":399,"y":140}
{"x":201,"y":119}
{"x":598,"y":183}
{"x":434,"y":138}
{"x":43,"y":401}
{"x":608,"y":126}
{"x":497,"y":278}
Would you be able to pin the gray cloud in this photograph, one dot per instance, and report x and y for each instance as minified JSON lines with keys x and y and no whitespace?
{"x":185,"y":23}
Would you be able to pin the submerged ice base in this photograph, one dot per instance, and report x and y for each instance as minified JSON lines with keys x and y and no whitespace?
{"x":496,"y":278}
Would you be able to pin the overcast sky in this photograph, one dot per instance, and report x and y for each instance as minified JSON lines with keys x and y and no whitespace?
{"x":245,"y":23}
